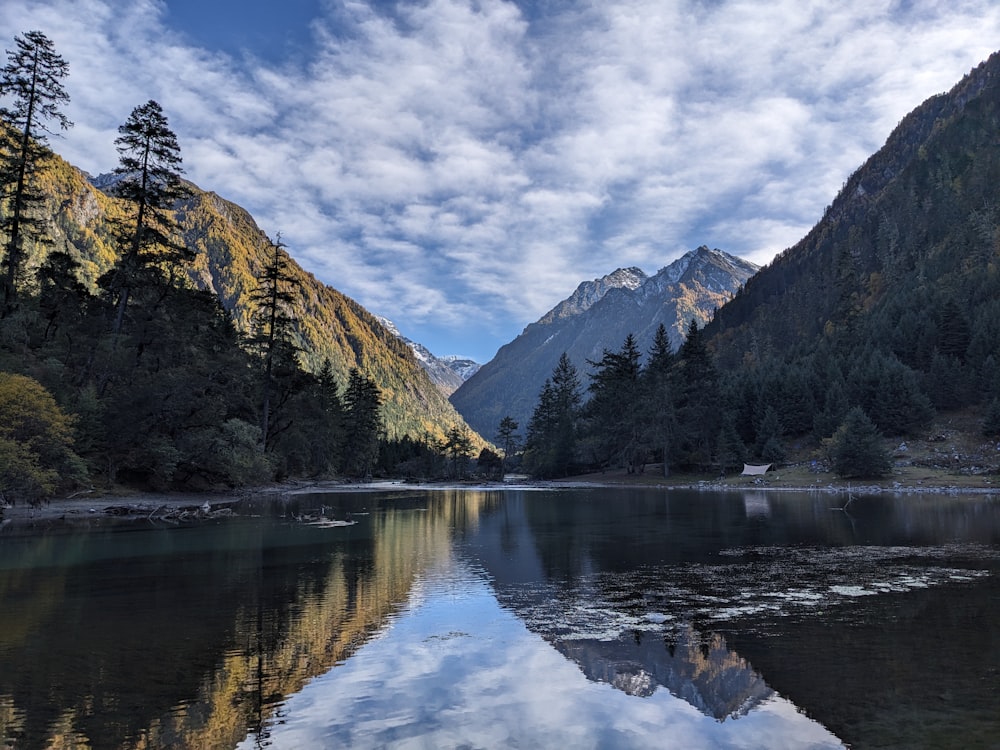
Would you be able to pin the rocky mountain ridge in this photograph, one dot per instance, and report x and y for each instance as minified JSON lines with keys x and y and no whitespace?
{"x":598,"y":315}
{"x":447,"y":373}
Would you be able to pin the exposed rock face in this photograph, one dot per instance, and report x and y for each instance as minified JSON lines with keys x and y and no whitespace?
{"x":447,"y":373}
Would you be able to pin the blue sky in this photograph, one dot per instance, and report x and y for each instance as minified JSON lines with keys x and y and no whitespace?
{"x":459,"y":166}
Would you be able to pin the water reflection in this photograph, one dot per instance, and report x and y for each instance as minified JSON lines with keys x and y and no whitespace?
{"x":188,"y":637}
{"x":594,"y":618}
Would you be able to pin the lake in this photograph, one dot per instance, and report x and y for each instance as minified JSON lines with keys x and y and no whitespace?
{"x":585,"y":618}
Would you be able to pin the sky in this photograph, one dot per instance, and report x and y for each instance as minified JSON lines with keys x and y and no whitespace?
{"x":459,"y":166}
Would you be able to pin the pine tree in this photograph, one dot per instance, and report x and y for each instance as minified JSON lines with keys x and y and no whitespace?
{"x":507,"y":438}
{"x":856,"y":448}
{"x":458,"y":446}
{"x":272,"y":338}
{"x":698,"y":399}
{"x":730,"y":453}
{"x":550,"y":448}
{"x":613,"y":412}
{"x":33,"y":77}
{"x":150,"y":169}
{"x":659,"y":418}
{"x":991,"y":420}
{"x":363,"y":425}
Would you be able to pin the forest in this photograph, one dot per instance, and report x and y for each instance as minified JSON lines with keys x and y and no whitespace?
{"x":140,"y":378}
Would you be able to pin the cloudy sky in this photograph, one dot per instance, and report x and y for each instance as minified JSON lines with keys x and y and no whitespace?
{"x":459,"y":166}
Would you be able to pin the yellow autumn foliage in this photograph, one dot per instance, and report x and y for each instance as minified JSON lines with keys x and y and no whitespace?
{"x":36,"y":438}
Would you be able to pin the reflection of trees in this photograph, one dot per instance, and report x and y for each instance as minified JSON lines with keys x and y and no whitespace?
{"x":206,"y":645}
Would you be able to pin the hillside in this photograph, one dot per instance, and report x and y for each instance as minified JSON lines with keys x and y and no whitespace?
{"x":229,"y":252}
{"x":905,"y":258}
{"x":598,"y":316}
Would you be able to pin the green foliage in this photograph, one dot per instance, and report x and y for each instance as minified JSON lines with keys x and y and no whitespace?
{"x":697,"y":397}
{"x":612,"y":416}
{"x":508,"y":439}
{"x":730,"y":451}
{"x":856,"y":449}
{"x":458,"y":447}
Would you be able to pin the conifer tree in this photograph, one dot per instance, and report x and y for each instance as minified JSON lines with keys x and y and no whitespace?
{"x":698,"y":399}
{"x":33,"y":78}
{"x":856,"y":448}
{"x":507,"y":438}
{"x":458,"y":445}
{"x":613,"y":412}
{"x":657,"y":392}
{"x":550,"y":448}
{"x":150,"y":172}
{"x":273,"y":336}
{"x":730,"y":452}
{"x":363,"y":425}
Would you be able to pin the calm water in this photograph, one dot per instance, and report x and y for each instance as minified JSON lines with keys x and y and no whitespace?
{"x":583,"y":618}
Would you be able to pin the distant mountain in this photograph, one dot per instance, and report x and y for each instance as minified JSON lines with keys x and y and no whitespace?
{"x":230,"y":251}
{"x":598,"y":316}
{"x":447,"y":373}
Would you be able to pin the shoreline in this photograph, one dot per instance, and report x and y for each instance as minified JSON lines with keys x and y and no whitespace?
{"x":81,"y":508}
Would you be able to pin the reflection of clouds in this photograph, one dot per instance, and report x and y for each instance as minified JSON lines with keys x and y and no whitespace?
{"x":459,"y":669}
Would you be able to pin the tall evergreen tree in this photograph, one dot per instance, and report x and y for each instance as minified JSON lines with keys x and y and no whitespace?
{"x":698,"y":399}
{"x":362,"y":425}
{"x":660,"y":423}
{"x":550,"y":448}
{"x":458,"y":446}
{"x":856,"y":448}
{"x":150,"y":171}
{"x":33,"y":78}
{"x":507,"y":439}
{"x":272,"y":338}
{"x":613,"y":413}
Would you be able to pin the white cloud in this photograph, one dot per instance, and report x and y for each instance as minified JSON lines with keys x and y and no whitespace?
{"x":458,"y":161}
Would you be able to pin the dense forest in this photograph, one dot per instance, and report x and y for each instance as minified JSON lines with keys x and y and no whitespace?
{"x":886,"y":314}
{"x":116,"y":366}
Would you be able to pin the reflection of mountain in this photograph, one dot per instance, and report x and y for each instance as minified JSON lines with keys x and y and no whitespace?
{"x":614,"y":579}
{"x":189,"y":638}
{"x":594,"y":620}
{"x":699,"y":669}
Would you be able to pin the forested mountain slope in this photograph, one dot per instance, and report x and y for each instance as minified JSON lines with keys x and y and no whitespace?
{"x":905,"y":260}
{"x":230,"y":254}
{"x":889,"y":309}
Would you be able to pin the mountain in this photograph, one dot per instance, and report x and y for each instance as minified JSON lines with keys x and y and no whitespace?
{"x":905,"y":262}
{"x":230,"y":252}
{"x":598,"y":316}
{"x":447,"y":373}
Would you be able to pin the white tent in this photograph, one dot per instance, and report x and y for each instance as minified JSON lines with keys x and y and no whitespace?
{"x":750,"y":470}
